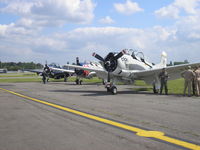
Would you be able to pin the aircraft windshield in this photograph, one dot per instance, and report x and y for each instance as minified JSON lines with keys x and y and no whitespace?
{"x":136,"y":54}
{"x":54,"y":65}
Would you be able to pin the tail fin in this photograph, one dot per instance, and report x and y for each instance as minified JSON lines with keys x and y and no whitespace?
{"x":163,"y":62}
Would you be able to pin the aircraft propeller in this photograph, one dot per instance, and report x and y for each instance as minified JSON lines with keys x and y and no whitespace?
{"x":110,"y":61}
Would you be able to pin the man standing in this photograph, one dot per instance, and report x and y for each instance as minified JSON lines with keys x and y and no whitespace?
{"x":194,"y":83}
{"x":46,"y":72}
{"x":189,"y":76}
{"x":197,"y":81}
{"x":163,"y":80}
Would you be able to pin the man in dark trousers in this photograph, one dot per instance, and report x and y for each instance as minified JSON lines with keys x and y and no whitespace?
{"x":46,"y":72}
{"x":163,"y":80}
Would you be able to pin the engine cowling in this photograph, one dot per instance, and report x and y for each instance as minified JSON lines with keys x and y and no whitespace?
{"x":110,"y":63}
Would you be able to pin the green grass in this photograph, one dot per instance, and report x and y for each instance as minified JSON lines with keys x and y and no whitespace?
{"x":174,"y":86}
{"x":16,"y":80}
{"x":18,"y":75}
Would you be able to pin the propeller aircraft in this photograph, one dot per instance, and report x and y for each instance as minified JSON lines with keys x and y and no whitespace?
{"x":79,"y":73}
{"x":50,"y":71}
{"x":126,"y":66}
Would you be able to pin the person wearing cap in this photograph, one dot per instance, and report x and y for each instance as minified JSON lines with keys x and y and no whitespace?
{"x":163,"y":80}
{"x":197,"y":81}
{"x":188,"y":76}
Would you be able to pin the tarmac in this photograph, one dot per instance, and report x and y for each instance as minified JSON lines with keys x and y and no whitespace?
{"x":65,"y":116}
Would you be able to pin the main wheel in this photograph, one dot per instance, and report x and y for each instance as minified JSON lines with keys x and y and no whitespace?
{"x":155,"y":91}
{"x":114,"y":90}
{"x":77,"y":81}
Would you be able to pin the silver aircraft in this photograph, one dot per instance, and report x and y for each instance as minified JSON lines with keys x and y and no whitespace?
{"x":127,"y":66}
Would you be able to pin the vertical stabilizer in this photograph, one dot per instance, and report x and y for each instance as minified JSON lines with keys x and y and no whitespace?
{"x":163,"y":62}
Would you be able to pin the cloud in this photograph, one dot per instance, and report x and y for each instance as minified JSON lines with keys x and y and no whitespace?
{"x":106,"y":20}
{"x":24,"y":40}
{"x":127,"y":8}
{"x":52,"y":12}
{"x":179,"y":41}
{"x":174,"y":9}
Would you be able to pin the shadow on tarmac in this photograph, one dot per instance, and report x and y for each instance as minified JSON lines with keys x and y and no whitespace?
{"x":104,"y":93}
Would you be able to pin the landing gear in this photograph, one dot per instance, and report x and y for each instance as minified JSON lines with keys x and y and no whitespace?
{"x":114,"y":90}
{"x":65,"y":79}
{"x":78,"y":82}
{"x":155,"y":90}
{"x":66,"y":75}
{"x":111,"y":88}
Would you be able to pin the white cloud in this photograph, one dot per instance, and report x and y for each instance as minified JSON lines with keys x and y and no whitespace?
{"x":188,"y":6}
{"x":63,"y":47}
{"x":174,"y":9}
{"x":23,"y":40}
{"x":127,"y":8}
{"x":106,"y":20}
{"x":169,"y":11}
{"x":52,"y":12}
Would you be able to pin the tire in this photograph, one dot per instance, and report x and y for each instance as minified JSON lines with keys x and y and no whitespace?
{"x":77,"y":81}
{"x":114,"y":90}
{"x":155,"y":91}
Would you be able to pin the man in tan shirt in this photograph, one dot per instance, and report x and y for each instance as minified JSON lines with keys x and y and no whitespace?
{"x":189,"y":76}
{"x":197,"y":81}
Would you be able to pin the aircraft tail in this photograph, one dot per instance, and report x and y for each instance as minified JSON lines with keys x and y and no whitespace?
{"x":163,"y":62}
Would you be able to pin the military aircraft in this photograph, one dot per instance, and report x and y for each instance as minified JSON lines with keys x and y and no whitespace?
{"x":126,"y":66}
{"x":79,"y":73}
{"x":49,"y":71}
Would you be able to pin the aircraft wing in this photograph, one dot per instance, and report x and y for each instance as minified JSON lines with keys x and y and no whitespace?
{"x":92,"y":69}
{"x":173,"y":71}
{"x":38,"y":71}
{"x":63,"y":70}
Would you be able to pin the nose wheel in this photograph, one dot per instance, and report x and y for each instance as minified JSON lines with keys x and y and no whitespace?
{"x":78,"y":82}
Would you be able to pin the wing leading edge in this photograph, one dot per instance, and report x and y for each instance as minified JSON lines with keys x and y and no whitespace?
{"x":92,"y":69}
{"x":173,"y":71}
{"x":63,"y":70}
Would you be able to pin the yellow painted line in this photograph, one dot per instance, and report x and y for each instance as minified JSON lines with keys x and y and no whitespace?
{"x":140,"y":132}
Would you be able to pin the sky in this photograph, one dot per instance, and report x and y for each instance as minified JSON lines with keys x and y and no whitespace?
{"x":60,"y":30}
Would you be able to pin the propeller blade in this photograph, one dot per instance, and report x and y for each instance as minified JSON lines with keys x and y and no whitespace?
{"x":98,"y":57}
{"x":77,"y":61}
{"x":120,"y":54}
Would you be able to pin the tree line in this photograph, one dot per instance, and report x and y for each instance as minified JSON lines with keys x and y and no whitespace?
{"x":178,"y":63}
{"x":13,"y":66}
